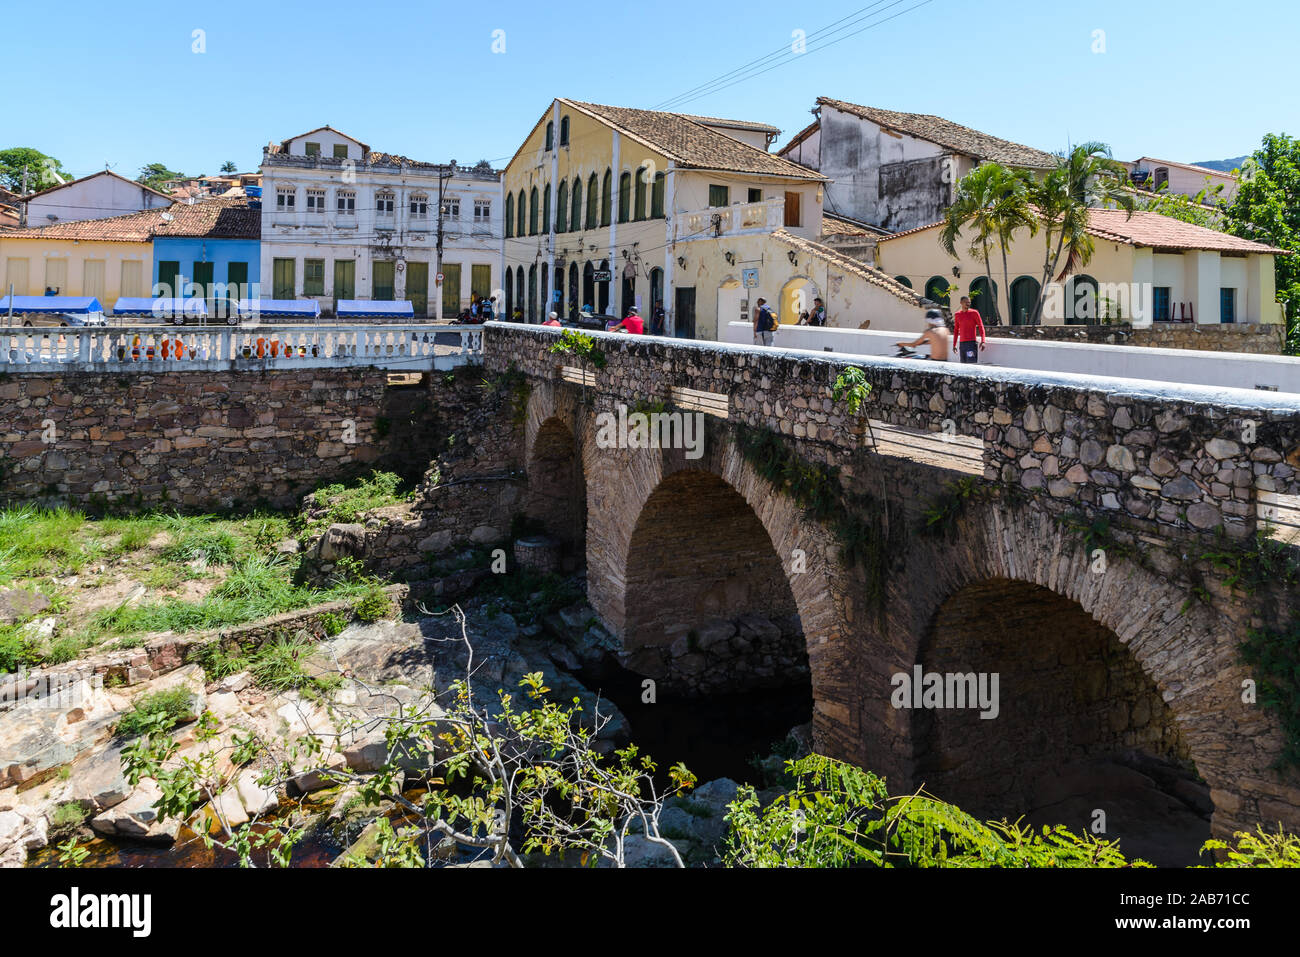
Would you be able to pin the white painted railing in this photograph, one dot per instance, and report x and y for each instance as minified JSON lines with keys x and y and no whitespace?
{"x":733,"y":220}
{"x":413,"y":348}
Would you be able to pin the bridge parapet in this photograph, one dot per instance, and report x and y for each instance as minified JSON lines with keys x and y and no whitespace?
{"x":400,"y":348}
{"x":1192,"y":457}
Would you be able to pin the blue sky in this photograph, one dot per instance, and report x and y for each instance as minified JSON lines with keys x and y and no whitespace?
{"x":121,"y":85}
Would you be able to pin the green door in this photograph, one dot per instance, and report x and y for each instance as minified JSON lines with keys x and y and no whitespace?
{"x":450,"y":290}
{"x":236,"y":288}
{"x":480,"y":281}
{"x":282,"y":279}
{"x":417,"y":287}
{"x":383,"y":280}
{"x":345,"y":281}
{"x":168,"y":272}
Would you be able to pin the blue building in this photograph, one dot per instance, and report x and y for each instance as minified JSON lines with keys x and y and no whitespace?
{"x":212,"y":250}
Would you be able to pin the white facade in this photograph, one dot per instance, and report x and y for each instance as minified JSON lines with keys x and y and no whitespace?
{"x":97,"y":196}
{"x":1184,"y":179}
{"x":340,"y":221}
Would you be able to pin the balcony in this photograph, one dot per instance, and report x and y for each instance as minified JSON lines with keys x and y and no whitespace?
{"x":738,"y":219}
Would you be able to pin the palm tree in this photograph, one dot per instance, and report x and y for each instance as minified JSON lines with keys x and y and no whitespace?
{"x":229,"y":166}
{"x":1084,"y":178}
{"x":994,"y":201}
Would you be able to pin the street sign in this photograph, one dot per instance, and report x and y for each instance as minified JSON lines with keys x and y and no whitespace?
{"x":602,"y":275}
{"x":749,"y":277}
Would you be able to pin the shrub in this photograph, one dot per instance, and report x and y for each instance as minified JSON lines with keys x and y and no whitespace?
{"x":159,"y":711}
{"x":374,"y":604}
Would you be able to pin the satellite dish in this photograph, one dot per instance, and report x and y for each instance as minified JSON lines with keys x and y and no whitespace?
{"x":167,"y":217}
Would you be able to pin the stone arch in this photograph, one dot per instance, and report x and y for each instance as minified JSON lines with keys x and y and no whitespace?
{"x":660,"y":507}
{"x":1187,"y":656}
{"x":556,"y":496}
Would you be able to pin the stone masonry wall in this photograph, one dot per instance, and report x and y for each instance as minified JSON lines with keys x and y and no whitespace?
{"x":203,"y":440}
{"x":1252,"y":338}
{"x":1183,"y":458}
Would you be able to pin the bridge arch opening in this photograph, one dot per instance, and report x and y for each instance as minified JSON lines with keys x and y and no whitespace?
{"x":1076,"y":733}
{"x":707,"y":602}
{"x":557,"y":488}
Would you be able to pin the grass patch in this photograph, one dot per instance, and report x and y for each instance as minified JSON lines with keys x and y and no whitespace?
{"x":16,"y":649}
{"x":159,"y":711}
{"x":347,"y":503}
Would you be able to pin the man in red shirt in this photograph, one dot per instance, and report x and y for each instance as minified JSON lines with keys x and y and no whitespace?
{"x":966,"y":324}
{"x":632,"y":323}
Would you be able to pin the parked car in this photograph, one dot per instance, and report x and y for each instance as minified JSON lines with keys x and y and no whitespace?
{"x":595,"y":321}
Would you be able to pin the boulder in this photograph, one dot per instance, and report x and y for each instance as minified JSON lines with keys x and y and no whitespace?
{"x":137,"y":817}
{"x":99,"y":780}
{"x":17,"y":604}
{"x":341,"y":540}
{"x":255,"y":798}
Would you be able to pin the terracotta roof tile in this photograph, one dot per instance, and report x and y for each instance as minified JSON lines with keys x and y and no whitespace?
{"x":937,"y":130}
{"x":214,"y":218}
{"x":1148,"y":228}
{"x":220,"y":218}
{"x":850,"y":265}
{"x":833,"y":225}
{"x":691,"y":144}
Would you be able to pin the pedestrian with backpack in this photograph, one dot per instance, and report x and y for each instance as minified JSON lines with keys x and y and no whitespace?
{"x":764,"y":323}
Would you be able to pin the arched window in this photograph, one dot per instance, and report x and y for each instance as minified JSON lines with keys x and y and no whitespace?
{"x":562,"y":208}
{"x":606,"y":199}
{"x":904,"y":280}
{"x":546,"y":208}
{"x":510,"y":293}
{"x":657,"y":197}
{"x":564,"y":131}
{"x":510,"y":218}
{"x":638,"y":204}
{"x":520,"y":214}
{"x":1024,"y":297}
{"x":593,"y":197}
{"x":532,"y":212}
{"x":936,"y":290}
{"x":624,"y":196}
{"x":550,"y":135}
{"x":575,"y":210}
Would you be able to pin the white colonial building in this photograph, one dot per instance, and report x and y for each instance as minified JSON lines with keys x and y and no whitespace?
{"x":341,"y":221}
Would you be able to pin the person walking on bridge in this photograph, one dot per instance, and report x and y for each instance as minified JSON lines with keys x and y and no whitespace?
{"x":935,"y":336}
{"x":764,"y":323}
{"x":966,"y":325}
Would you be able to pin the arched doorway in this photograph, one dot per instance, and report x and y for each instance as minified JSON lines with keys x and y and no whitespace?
{"x":602,"y":290}
{"x":519,"y":292}
{"x":903,"y":280}
{"x":936,"y":290}
{"x":510,"y":293}
{"x":1024,"y":297}
{"x":588,"y":287}
{"x":531,"y":315}
{"x":656,"y":290}
{"x":557,"y":490}
{"x":984,"y":301}
{"x":1073,"y":725}
{"x":573,"y":290}
{"x":1080,"y":300}
{"x":544,"y":298}
{"x":797,"y":297}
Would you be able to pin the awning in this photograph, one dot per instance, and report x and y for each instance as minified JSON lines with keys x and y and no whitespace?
{"x":79,"y":305}
{"x":281,"y":308}
{"x":160,"y":308}
{"x":374,"y":309}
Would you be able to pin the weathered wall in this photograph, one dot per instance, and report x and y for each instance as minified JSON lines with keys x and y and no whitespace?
{"x":1236,"y":337}
{"x":204,"y":439}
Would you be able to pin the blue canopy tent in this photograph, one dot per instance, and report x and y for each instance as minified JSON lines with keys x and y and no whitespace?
{"x":375,"y":309}
{"x":189,"y":310}
{"x":85,"y":308}
{"x":277,"y":308}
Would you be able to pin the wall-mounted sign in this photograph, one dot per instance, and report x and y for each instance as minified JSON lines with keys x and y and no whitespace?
{"x":602,"y":275}
{"x":749,"y":278}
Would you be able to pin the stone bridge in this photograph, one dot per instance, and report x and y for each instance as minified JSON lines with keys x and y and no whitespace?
{"x":1065,"y":533}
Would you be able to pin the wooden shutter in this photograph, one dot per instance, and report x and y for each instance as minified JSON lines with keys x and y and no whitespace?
{"x":792,"y":217}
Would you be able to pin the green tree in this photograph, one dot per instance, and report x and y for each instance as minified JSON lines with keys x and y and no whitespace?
{"x":229,"y":166}
{"x":1085,"y":177}
{"x":973,"y":207}
{"x":155,"y":175}
{"x":43,"y":171}
{"x":1267,"y":210}
{"x":1206,"y":208}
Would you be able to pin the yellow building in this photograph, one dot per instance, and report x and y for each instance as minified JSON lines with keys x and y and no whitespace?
{"x":1148,"y":267}
{"x":610,"y":207}
{"x":104,"y":258}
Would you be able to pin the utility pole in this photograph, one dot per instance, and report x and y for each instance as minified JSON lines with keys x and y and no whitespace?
{"x":444,"y":175}
{"x":22,"y":215}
